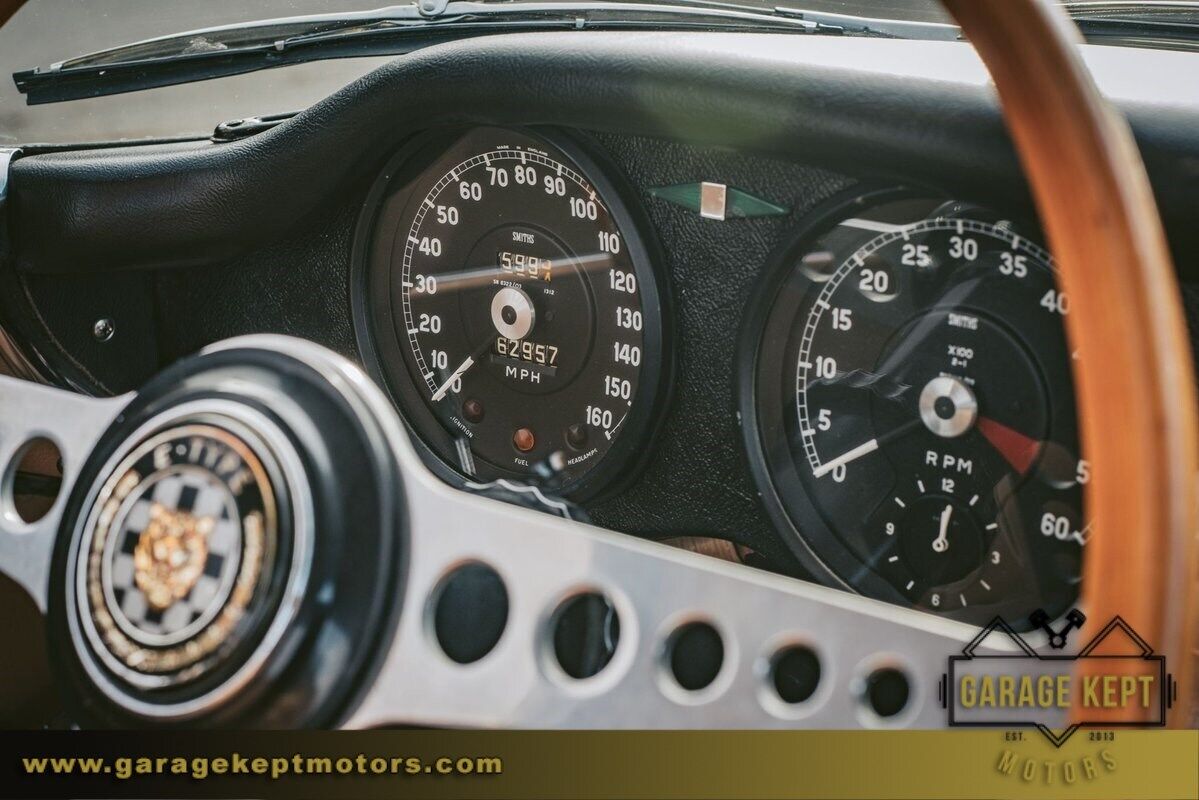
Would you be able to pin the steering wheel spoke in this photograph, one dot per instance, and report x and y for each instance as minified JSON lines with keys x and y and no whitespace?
{"x":72,"y":423}
{"x":656,"y":590}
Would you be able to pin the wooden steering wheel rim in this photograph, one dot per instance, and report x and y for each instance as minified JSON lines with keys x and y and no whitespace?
{"x":1133,"y":373}
{"x":8,"y":8}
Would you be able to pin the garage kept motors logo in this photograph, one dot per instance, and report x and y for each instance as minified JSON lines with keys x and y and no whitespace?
{"x":1114,"y":673}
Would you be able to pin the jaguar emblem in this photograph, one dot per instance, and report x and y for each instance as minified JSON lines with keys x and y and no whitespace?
{"x":178,"y":552}
{"x":170,"y":555}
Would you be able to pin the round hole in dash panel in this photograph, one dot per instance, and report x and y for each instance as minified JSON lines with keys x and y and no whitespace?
{"x":887,"y":692}
{"x":33,"y":479}
{"x":586,"y":633}
{"x":470,"y":612}
{"x":795,"y":673}
{"x":695,"y":654}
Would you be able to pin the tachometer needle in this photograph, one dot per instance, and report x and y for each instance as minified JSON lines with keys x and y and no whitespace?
{"x":863,"y":449}
{"x":445,"y":387}
{"x":1019,"y":450}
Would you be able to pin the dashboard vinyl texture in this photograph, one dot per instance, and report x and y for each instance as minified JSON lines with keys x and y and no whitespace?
{"x":187,"y":243}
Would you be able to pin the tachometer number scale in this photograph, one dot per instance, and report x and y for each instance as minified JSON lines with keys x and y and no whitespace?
{"x":932,"y":422}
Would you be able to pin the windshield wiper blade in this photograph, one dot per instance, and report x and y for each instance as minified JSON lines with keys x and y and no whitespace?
{"x":1137,"y":8}
{"x":1161,"y":24}
{"x":237,"y":49}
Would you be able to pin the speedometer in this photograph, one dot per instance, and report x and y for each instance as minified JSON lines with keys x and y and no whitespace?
{"x":912,"y":412}
{"x":511,"y":307}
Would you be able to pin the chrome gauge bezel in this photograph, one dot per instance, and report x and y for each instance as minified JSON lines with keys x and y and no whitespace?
{"x":777,"y":307}
{"x":372,"y":311}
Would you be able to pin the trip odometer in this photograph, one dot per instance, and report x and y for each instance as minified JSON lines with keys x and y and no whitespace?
{"x":512,"y":308}
{"x":914,"y":411}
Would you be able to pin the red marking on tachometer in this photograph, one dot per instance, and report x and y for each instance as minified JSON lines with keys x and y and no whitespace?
{"x":1019,"y":450}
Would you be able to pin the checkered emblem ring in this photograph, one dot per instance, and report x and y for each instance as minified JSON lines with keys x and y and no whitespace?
{"x":175,"y":556}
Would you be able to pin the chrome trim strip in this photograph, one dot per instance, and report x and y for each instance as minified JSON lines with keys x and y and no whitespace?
{"x":7,"y":154}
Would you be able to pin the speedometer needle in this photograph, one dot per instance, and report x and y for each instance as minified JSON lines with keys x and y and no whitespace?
{"x":445,"y":387}
{"x":463,"y":367}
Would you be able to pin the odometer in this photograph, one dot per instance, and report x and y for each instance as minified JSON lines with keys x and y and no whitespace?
{"x":513,"y":309}
{"x":914,"y":411}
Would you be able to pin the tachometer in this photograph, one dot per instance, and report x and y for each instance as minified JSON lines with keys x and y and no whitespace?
{"x":911,"y":407}
{"x":513,"y":308}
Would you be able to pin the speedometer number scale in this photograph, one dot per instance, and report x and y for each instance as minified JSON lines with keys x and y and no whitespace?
{"x":522,"y":309}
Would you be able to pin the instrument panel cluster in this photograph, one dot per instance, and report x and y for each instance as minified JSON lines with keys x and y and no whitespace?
{"x":899,"y":370}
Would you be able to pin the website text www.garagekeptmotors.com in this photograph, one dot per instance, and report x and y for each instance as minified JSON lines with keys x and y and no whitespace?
{"x":199,"y":768}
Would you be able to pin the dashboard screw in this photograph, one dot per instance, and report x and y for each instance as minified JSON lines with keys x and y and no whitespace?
{"x":104,"y":329}
{"x":432,"y":8}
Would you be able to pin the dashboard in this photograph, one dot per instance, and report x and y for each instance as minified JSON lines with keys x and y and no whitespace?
{"x":903,"y":387}
{"x":824,"y":342}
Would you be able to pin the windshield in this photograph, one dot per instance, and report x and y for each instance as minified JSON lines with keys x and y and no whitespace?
{"x":49,"y":31}
{"x":45,"y":31}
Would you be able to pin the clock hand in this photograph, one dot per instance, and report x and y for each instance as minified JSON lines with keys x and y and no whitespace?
{"x":941,"y":543}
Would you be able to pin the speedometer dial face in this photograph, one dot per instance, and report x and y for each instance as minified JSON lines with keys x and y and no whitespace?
{"x":514,"y":309}
{"x":914,"y":411}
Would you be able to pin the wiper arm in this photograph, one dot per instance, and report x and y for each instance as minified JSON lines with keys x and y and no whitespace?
{"x":236,"y":49}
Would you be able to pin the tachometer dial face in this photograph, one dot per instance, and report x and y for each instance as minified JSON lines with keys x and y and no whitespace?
{"x":915,"y":415}
{"x":515,"y":310}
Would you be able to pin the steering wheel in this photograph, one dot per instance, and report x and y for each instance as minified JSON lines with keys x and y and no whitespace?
{"x":1097,"y":208}
{"x":319,"y":589}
